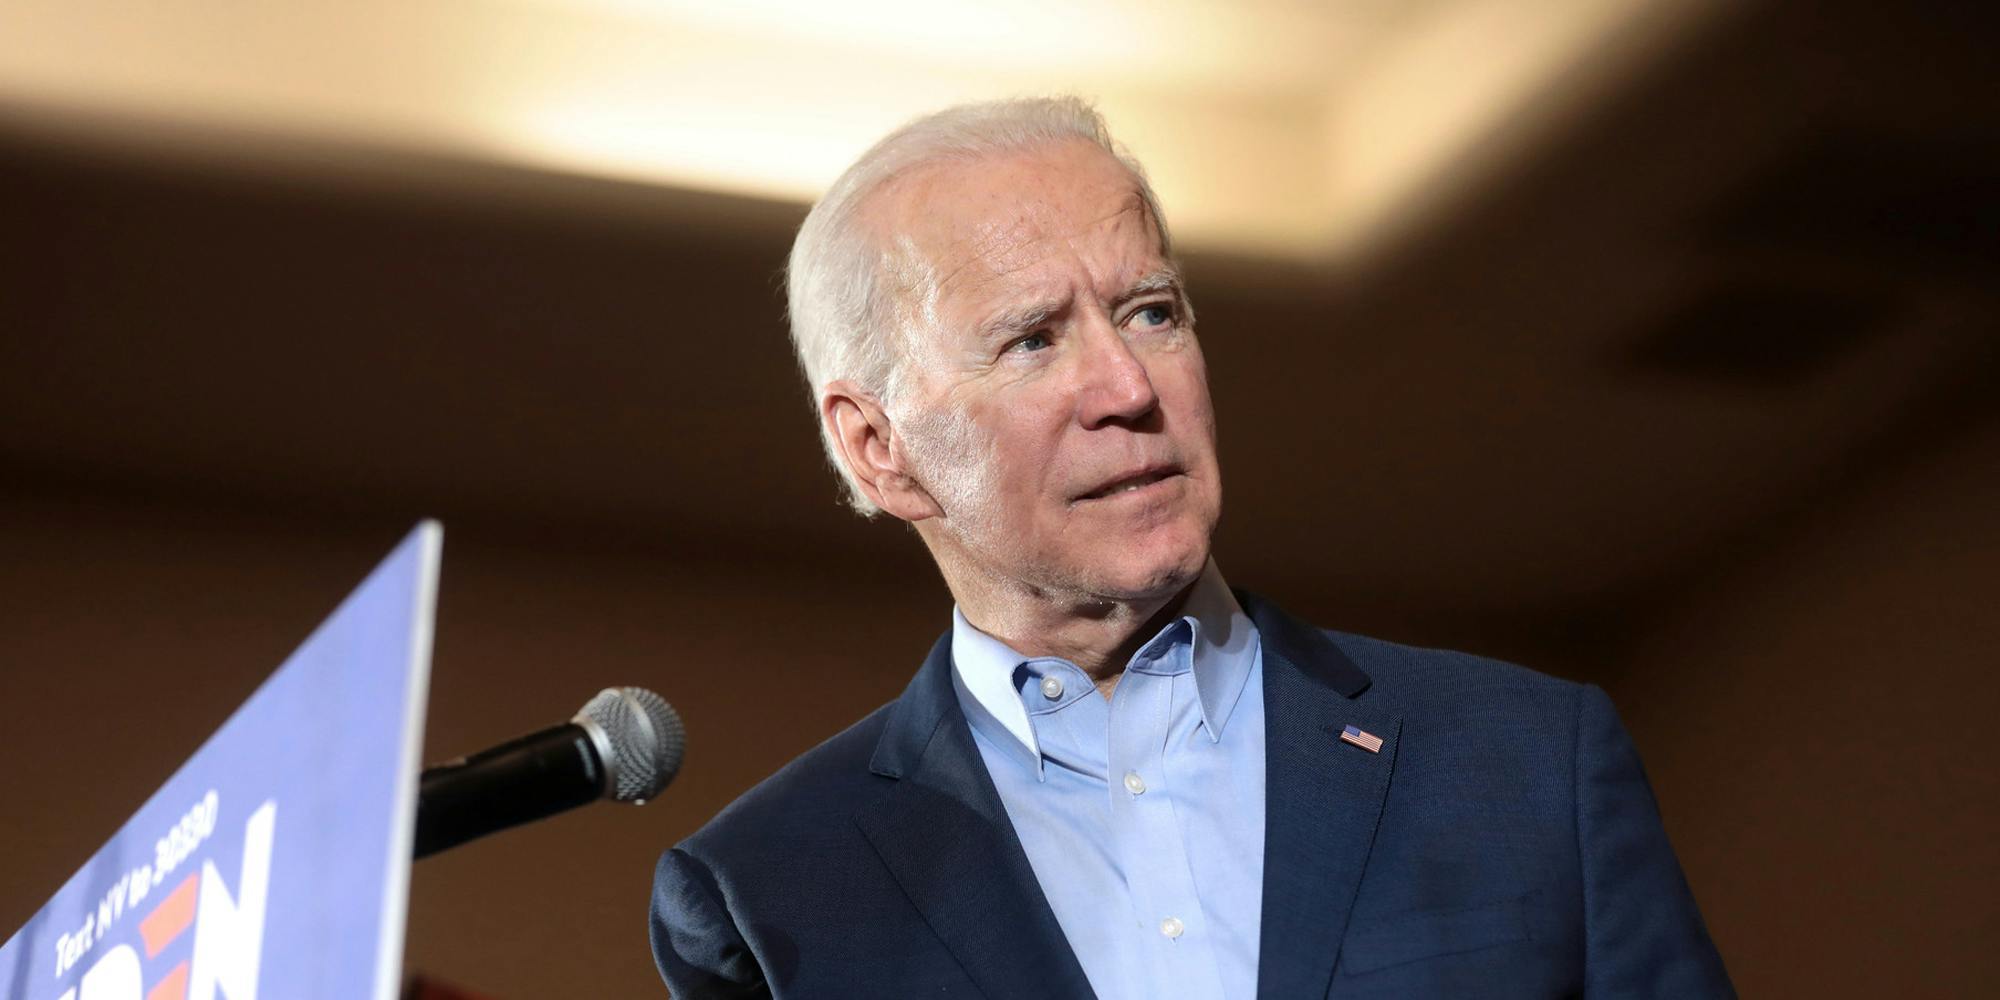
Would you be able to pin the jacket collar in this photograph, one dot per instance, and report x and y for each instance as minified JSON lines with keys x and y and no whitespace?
{"x":945,"y":837}
{"x":1323,"y":798}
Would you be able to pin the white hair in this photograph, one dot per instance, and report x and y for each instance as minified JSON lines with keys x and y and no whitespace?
{"x":847,"y":322}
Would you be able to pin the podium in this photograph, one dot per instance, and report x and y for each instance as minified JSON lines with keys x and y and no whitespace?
{"x":275,"y":862}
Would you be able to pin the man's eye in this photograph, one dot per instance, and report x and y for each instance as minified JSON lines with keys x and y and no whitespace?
{"x":1031,"y":342}
{"x":1156,"y":315}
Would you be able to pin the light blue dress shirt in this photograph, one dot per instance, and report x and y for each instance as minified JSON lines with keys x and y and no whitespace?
{"x":1142,"y":815}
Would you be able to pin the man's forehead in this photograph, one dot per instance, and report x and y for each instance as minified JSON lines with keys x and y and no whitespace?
{"x":999,"y":245}
{"x":971,"y":224}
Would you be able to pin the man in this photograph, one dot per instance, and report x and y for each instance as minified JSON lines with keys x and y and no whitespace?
{"x":1113,"y":775}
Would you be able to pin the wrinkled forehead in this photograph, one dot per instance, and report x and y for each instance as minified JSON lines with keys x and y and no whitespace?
{"x":955,"y":228}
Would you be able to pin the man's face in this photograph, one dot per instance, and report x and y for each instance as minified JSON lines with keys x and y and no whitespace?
{"x":1057,"y":409}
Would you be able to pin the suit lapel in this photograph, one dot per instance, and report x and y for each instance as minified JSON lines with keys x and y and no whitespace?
{"x":944,"y":835}
{"x":1322,"y":800}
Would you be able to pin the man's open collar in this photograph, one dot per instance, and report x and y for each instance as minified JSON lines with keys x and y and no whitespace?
{"x":1221,"y":636}
{"x":929,"y":698}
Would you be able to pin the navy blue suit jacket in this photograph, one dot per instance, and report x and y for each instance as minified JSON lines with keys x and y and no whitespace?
{"x":1503,"y":843}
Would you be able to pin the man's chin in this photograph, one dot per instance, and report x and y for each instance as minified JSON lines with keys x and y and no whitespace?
{"x":1153,"y":581}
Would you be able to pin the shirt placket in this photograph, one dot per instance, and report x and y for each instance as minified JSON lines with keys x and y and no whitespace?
{"x":1150,"y":846}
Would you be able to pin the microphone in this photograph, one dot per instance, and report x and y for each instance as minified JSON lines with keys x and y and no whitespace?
{"x":625,"y":744}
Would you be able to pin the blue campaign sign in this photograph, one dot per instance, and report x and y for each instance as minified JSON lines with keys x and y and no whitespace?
{"x":276,"y":861}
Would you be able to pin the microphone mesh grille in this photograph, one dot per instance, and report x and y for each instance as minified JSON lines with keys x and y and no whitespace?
{"x":646,"y":737}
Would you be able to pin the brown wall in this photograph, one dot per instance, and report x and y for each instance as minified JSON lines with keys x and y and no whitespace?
{"x":1819,"y":725}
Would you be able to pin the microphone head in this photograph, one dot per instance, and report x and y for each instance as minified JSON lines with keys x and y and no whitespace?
{"x":641,"y":742}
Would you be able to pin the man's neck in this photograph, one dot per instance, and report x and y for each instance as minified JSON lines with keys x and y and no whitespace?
{"x":1099,"y":635}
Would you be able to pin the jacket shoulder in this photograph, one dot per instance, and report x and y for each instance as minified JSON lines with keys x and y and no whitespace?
{"x":1448,"y":684}
{"x":1423,"y":664}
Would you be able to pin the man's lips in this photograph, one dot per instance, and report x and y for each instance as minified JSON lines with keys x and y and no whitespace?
{"x":1131,"y":482}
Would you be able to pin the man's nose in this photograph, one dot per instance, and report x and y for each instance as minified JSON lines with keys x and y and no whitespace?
{"x":1115,"y":385}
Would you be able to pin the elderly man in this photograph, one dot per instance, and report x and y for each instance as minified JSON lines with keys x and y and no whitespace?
{"x":1113,"y":775}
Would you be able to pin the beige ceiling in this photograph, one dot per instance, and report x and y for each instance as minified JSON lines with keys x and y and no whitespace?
{"x":1295,"y":129}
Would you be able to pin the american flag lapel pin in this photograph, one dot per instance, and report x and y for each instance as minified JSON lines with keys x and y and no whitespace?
{"x":1362,"y":738}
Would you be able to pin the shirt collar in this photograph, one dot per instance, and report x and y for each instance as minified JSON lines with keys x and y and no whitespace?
{"x":1223,"y":641}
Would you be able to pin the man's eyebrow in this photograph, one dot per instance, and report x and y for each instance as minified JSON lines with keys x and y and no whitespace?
{"x":1164,"y":279}
{"x":1028,"y":317}
{"x":1019,"y":320}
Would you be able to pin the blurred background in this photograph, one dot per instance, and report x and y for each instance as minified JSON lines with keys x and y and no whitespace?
{"x":1645,"y":342}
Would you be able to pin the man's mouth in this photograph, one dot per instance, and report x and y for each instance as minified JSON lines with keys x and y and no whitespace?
{"x":1131,"y":484}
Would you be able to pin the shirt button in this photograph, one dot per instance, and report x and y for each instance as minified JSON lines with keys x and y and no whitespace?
{"x":1051,"y":687}
{"x":1172,"y":927}
{"x":1135,"y":784}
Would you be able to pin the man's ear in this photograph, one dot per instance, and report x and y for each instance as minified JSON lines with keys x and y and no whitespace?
{"x":865,"y":439}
